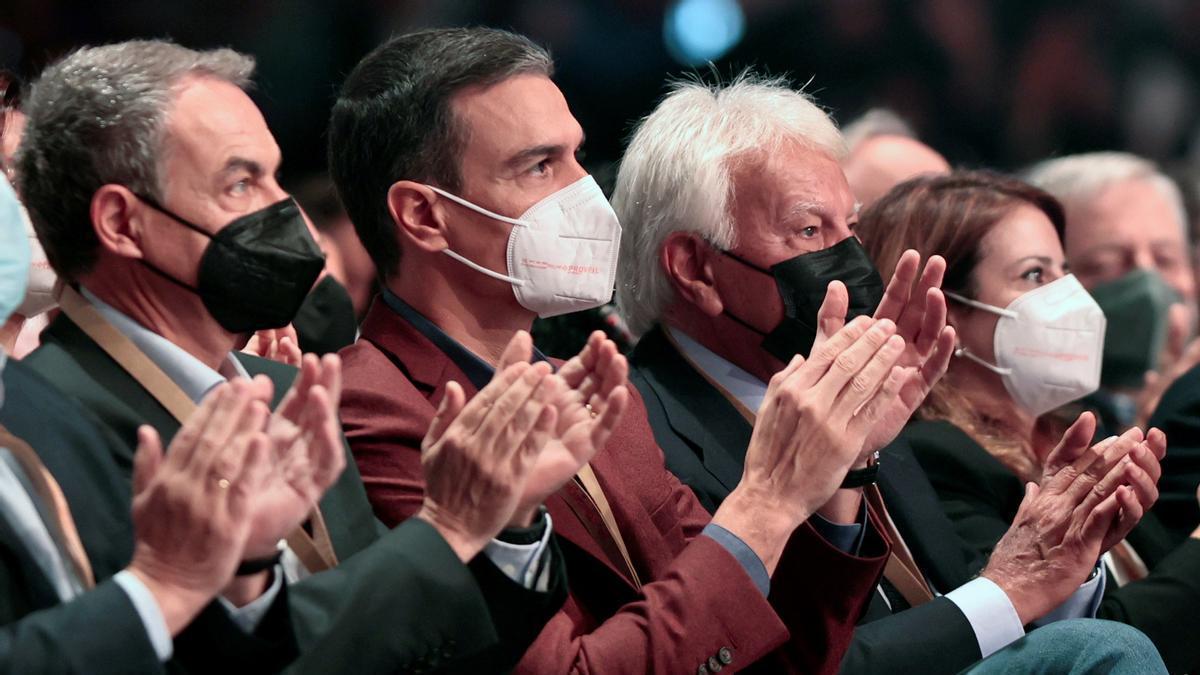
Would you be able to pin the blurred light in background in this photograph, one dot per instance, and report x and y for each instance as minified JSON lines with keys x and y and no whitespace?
{"x":699,"y":31}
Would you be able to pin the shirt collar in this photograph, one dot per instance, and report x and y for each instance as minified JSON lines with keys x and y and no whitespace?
{"x":743,"y":386}
{"x":478,"y":371}
{"x":190,"y":373}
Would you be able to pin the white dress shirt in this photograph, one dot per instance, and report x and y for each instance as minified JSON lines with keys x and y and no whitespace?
{"x":987,"y":608}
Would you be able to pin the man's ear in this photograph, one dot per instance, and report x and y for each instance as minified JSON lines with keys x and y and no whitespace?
{"x":411,"y":206}
{"x":688,"y":262}
{"x":119,"y":220}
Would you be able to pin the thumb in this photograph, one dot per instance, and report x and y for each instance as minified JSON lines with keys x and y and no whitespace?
{"x":519,"y":350}
{"x":148,"y":458}
{"x":448,"y":410}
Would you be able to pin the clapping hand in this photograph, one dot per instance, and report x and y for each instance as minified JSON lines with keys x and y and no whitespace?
{"x":589,"y":405}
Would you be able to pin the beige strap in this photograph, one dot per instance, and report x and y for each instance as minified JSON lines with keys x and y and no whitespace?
{"x":901,"y":569}
{"x":1126,"y":564}
{"x":131,"y":359}
{"x":48,"y":489}
{"x":591,"y":487}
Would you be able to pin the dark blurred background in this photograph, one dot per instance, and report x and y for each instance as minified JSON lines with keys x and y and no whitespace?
{"x":998,"y":83}
{"x":985,"y":81}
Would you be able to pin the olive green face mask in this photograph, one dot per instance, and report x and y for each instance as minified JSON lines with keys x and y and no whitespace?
{"x":1136,"y":306}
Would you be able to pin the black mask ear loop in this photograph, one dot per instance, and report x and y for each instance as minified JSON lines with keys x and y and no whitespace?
{"x":153,"y":203}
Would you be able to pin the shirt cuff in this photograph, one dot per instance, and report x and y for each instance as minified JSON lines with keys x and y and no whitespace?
{"x":250,"y":615}
{"x":743,"y":553}
{"x":846,"y":538}
{"x":523,"y":563}
{"x":149,"y":611}
{"x":1083,"y":603}
{"x":990,"y":613}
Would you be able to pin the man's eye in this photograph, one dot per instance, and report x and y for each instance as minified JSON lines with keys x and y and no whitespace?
{"x":541,"y":168}
{"x":809,"y":232}
{"x":240,"y":187}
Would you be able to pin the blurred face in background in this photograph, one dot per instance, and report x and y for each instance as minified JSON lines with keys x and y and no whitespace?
{"x":1130,"y":226}
{"x":880,"y":163}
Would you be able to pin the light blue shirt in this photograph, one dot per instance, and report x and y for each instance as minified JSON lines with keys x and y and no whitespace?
{"x":986,"y":607}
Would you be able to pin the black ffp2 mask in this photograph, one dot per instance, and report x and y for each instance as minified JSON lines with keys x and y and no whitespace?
{"x":802,"y":282}
{"x":255,"y":271}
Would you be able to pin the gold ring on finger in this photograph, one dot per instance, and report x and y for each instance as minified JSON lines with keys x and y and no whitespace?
{"x":590,"y":410}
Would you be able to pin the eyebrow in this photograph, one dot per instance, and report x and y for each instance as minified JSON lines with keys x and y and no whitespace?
{"x":1039,"y":258}
{"x":522,"y":157}
{"x":250,"y":166}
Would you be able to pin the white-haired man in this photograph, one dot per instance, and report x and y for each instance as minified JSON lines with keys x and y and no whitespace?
{"x":737,"y":217}
{"x":884,"y":151}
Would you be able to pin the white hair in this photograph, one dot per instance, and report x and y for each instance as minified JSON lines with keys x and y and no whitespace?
{"x":675,"y":175}
{"x":1077,"y":180}
{"x":875,"y":122}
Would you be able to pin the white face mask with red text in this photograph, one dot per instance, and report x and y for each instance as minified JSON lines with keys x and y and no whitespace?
{"x":562,"y":252}
{"x":1048,"y":344}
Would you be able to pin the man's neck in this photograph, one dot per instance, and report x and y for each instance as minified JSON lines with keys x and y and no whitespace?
{"x":165,"y":308}
{"x":483,"y":325}
{"x":736,"y":344}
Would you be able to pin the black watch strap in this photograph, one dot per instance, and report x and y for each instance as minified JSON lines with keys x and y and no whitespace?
{"x":857,"y":478}
{"x":252,"y":567}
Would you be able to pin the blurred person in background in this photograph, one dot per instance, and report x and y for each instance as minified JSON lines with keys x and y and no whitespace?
{"x":882,"y":152}
{"x":328,"y":320}
{"x":1029,"y":342}
{"x":1126,"y":240}
{"x":19,"y":334}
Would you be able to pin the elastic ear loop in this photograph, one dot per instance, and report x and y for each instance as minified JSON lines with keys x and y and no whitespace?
{"x":495,"y":216}
{"x":963,"y":351}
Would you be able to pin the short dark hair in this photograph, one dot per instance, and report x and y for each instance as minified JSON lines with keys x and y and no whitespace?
{"x":392,"y":119}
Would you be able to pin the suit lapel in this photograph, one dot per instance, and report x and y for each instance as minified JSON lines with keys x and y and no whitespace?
{"x":694,"y":409}
{"x":104,"y":387}
{"x":429,"y":369}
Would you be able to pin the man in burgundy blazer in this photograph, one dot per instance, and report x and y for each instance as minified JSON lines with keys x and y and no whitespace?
{"x":675,"y":590}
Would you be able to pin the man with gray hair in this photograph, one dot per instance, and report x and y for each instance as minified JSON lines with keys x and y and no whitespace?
{"x":739,"y":256}
{"x":150,"y":176}
{"x":884,"y":151}
{"x":1126,"y":239}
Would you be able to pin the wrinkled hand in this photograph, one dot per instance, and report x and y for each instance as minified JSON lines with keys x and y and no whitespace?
{"x":589,"y":406}
{"x":477,"y":456}
{"x":276,"y":344}
{"x":192,"y":508}
{"x":1081,"y":509}
{"x":920,"y":318}
{"x":810,"y":430}
{"x":306,"y":444}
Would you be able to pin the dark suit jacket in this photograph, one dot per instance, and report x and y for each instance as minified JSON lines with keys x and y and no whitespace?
{"x":438,"y":613}
{"x":99,"y":629}
{"x":696,"y":599}
{"x":704,"y":439}
{"x":981,"y":496}
{"x":1178,"y":415}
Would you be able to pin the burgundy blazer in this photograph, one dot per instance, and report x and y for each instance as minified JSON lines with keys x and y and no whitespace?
{"x":697,"y":603}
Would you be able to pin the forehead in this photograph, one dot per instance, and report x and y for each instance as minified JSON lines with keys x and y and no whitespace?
{"x":794,"y":179}
{"x":211,"y":120}
{"x":514,"y":114}
{"x":1127,"y":213}
{"x":1025,"y":231}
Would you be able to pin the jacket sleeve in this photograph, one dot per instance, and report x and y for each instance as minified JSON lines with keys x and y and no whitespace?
{"x":935,"y":637}
{"x":99,"y":632}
